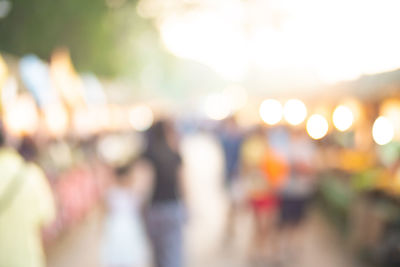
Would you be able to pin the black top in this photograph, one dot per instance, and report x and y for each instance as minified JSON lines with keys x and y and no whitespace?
{"x":166,"y":163}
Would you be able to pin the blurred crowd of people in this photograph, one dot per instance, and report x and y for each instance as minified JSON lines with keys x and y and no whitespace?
{"x":133,"y":211}
{"x":271,"y":172}
{"x":268,"y":171}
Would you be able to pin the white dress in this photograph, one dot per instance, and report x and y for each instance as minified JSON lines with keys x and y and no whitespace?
{"x":124,"y":240}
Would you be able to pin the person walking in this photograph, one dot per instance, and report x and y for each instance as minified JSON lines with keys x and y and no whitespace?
{"x":26,"y":205}
{"x":231,"y":138}
{"x":165,"y":214}
{"x":124,"y":240}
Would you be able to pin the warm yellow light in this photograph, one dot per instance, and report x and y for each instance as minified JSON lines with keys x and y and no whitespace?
{"x":236,"y":97}
{"x":343,"y":118}
{"x":212,"y":33}
{"x":194,"y":36}
{"x":3,"y":71}
{"x":82,"y":123}
{"x":295,"y":111}
{"x":382,"y":131}
{"x":21,"y":117}
{"x":116,"y":149}
{"x":66,"y":80}
{"x":248,"y":116}
{"x":357,"y":109}
{"x":317,"y":126}
{"x":56,"y":119}
{"x":104,"y":117}
{"x":217,"y":107}
{"x":141,"y":117}
{"x":119,"y":118}
{"x":271,"y":111}
{"x":89,"y":121}
{"x":391,"y":109}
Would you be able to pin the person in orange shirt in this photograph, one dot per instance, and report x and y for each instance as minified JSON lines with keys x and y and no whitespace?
{"x":263,"y":171}
{"x":275,"y":167}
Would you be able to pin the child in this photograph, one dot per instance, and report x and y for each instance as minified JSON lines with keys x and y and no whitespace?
{"x":124,"y":236}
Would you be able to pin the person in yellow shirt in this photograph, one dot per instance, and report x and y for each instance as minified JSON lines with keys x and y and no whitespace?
{"x":26,"y":205}
{"x":262,"y":172}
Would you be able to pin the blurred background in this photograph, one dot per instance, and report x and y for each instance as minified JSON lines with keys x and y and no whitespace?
{"x":285,"y":117}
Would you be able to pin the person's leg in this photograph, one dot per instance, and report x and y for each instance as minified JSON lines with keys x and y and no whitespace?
{"x":157,"y":250}
{"x":285,"y":226}
{"x":155,"y":229}
{"x":165,"y":231}
{"x":230,"y":223}
{"x":258,"y":227}
{"x":297,"y":231}
{"x":229,"y":231}
{"x":171,"y":238}
{"x":271,"y":235}
{"x":173,"y":247}
{"x":292,"y":238}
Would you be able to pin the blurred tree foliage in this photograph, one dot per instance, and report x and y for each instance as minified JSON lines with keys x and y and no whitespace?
{"x":106,"y":37}
{"x":100,"y":38}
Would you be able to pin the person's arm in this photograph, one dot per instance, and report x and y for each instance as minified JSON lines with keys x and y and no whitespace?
{"x":184,"y":192}
{"x":183,"y":187}
{"x":143,"y":175}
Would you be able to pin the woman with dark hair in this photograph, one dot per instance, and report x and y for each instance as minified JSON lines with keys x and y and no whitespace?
{"x":28,"y":149}
{"x":164,"y":216}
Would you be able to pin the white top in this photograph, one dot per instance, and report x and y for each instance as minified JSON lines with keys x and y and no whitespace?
{"x":124,"y":236}
{"x":300,"y":184}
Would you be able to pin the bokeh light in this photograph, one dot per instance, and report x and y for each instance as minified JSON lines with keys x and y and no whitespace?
{"x":343,"y":118}
{"x":9,"y":92}
{"x":83,"y":123}
{"x":3,"y":71}
{"x":382,"y":131}
{"x":141,"y":117}
{"x":236,"y":97}
{"x":248,"y":116}
{"x":56,"y":119}
{"x":356,"y":108}
{"x":295,"y":97}
{"x":295,"y":111}
{"x":116,"y":149}
{"x":21,"y":118}
{"x":391,"y":109}
{"x":271,"y":111}
{"x":317,"y":126}
{"x":217,"y":107}
{"x":213,"y":34}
